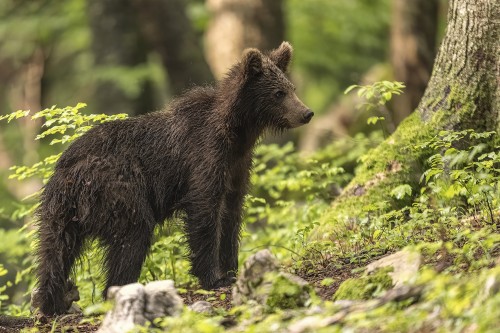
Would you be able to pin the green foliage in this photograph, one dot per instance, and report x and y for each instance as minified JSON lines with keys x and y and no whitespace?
{"x":378,"y":93}
{"x":65,"y":125}
{"x":287,"y":293}
{"x":456,"y":206}
{"x":290,"y":193}
{"x":168,"y":258}
{"x":401,"y":191}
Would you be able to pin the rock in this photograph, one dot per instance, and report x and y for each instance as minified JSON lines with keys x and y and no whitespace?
{"x":252,"y":276}
{"x":492,"y":285}
{"x":365,"y":287}
{"x":136,"y":304}
{"x":318,"y":323}
{"x":203,"y":307}
{"x":262,"y":282}
{"x":405,"y":265}
{"x":306,"y":324}
{"x":128,"y":310}
{"x":288,"y":291}
{"x":162,"y":300}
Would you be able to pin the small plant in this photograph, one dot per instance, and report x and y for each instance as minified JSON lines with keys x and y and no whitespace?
{"x":377,"y":94}
{"x":375,"y":97}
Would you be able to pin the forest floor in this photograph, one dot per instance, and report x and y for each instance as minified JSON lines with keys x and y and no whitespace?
{"x":220,"y":299}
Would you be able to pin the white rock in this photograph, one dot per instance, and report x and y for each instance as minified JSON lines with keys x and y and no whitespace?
{"x":202,"y":307}
{"x":136,"y":304}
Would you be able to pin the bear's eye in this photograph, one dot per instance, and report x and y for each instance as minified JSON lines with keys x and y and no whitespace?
{"x":279,"y":94}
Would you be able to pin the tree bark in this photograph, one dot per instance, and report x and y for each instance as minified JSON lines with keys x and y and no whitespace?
{"x":413,"y":49}
{"x":118,"y":45}
{"x":167,"y":27}
{"x":463,"y":93}
{"x":238,"y":24}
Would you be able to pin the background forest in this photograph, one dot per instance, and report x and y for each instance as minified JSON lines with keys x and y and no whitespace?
{"x":134,"y":56}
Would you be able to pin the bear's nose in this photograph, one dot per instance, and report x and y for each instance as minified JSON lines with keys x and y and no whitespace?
{"x":307,"y":116}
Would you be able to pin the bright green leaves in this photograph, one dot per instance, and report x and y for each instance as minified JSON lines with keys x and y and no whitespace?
{"x":374,"y":120}
{"x":401,"y":191}
{"x":377,"y":94}
{"x":465,"y":166}
{"x":15,"y":115}
{"x":60,"y":121}
{"x":64,"y":125}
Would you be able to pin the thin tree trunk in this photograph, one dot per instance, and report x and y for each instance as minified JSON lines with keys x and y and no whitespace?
{"x":166,"y":25}
{"x":413,"y":49}
{"x":238,"y":24}
{"x":117,"y":46}
{"x":463,"y":93}
{"x":26,"y":94}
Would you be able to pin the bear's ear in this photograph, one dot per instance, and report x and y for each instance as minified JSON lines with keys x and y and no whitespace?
{"x":282,"y":56}
{"x":252,"y":62}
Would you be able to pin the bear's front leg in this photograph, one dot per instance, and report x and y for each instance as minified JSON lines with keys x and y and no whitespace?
{"x":203,"y":233}
{"x":231,"y":228}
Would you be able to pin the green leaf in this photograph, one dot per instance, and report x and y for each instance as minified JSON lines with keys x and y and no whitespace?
{"x":350,"y":88}
{"x":362,"y":91}
{"x":401,"y":191}
{"x":3,"y":271}
{"x":15,"y":115}
{"x":374,"y":120}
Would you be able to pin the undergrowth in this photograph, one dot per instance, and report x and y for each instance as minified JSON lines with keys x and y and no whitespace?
{"x":451,"y":217}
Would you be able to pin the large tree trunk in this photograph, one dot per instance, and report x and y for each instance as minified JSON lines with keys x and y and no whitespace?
{"x":238,"y":24}
{"x":463,"y":92}
{"x":167,"y":27}
{"x":413,"y":49}
{"x":118,"y":46}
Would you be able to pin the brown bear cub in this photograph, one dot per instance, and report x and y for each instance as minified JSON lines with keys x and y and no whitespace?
{"x":123,"y":178}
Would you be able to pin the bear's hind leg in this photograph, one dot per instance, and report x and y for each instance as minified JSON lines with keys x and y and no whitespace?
{"x":125,"y":255}
{"x":58,"y":248}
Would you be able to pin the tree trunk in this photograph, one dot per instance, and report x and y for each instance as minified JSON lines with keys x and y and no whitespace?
{"x":463,"y":93}
{"x":118,"y":46}
{"x":168,"y":29}
{"x":413,"y":49}
{"x":238,"y":24}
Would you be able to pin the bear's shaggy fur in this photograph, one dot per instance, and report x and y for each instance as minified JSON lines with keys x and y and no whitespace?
{"x":123,"y":178}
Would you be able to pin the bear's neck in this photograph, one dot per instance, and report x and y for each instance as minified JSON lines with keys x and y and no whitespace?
{"x":242,"y":128}
{"x":243,"y":132}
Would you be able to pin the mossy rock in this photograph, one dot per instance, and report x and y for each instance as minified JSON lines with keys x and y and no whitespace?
{"x":288,"y":291}
{"x":365,"y":287}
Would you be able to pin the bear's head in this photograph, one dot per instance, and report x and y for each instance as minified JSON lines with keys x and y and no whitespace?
{"x":267,"y":87}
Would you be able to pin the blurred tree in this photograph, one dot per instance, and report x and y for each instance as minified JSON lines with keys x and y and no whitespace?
{"x":413,"y":48}
{"x":118,"y":46}
{"x":238,"y":24}
{"x":166,"y":26}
